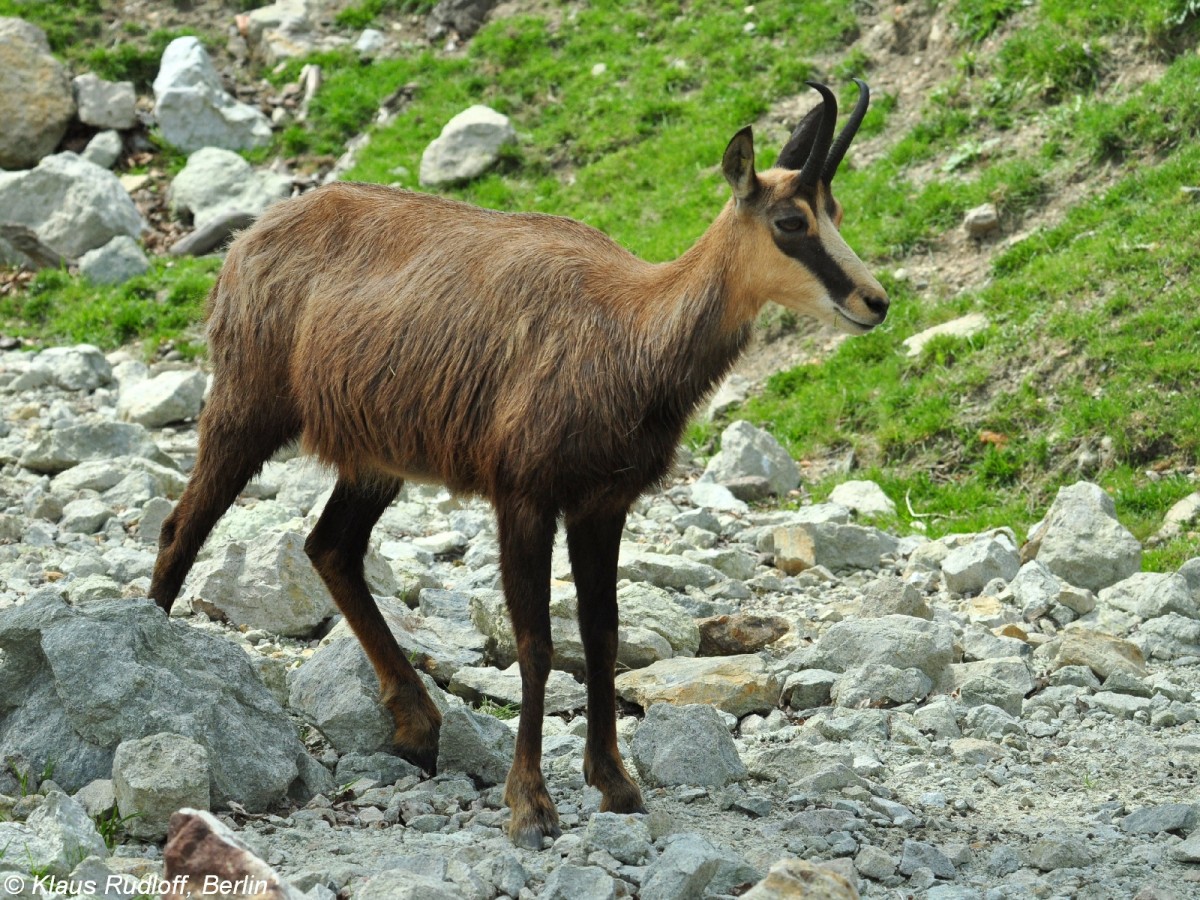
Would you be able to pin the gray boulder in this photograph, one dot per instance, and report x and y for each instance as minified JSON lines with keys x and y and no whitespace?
{"x":86,"y":515}
{"x":476,"y":683}
{"x":968,"y":568}
{"x":863,"y":497}
{"x":478,"y":745}
{"x":268,"y":583}
{"x":685,"y":745}
{"x":156,"y":775}
{"x":79,"y":368}
{"x":114,"y":263}
{"x":1150,"y":595}
{"x":664,"y":570}
{"x":194,"y":110}
{"x":104,"y":149}
{"x":36,"y":104}
{"x":468,"y":146}
{"x":626,"y":838}
{"x":749,"y":451}
{"x":830,"y":544}
{"x":168,"y":397}
{"x":102,"y":475}
{"x":105,"y":104}
{"x":76,"y":683}
{"x":69,"y":204}
{"x":55,"y":837}
{"x":338,"y":691}
{"x":61,"y":448}
{"x":217,"y":183}
{"x":684,"y":869}
{"x":571,"y":882}
{"x":1081,"y":542}
{"x":900,"y":641}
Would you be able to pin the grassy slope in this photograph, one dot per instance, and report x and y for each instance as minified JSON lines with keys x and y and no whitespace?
{"x":1095,"y":331}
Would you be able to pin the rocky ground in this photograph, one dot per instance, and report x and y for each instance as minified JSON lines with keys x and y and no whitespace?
{"x":952,"y":718}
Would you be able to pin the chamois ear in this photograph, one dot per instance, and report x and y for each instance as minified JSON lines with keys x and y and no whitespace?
{"x":738,"y":165}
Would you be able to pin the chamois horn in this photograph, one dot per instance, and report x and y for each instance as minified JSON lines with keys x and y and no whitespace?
{"x":813,"y":166}
{"x":838,"y":150}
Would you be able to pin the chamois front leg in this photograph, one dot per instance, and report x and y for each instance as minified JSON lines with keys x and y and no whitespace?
{"x":594,"y":545}
{"x":337,"y":546}
{"x":526,"y":543}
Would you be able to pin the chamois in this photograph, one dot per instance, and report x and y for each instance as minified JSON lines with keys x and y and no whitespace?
{"x":525,"y":358}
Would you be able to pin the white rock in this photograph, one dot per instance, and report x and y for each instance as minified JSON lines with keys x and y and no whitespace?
{"x":1081,"y":541}
{"x":114,"y":263}
{"x":216,"y":182}
{"x":70,"y":204}
{"x":104,"y":149}
{"x":749,"y":451}
{"x":105,"y":104}
{"x":964,"y":326}
{"x":467,"y":147}
{"x":863,"y":497}
{"x":967,"y":569}
{"x":194,"y":110}
{"x":982,"y":220}
{"x":170,"y":397}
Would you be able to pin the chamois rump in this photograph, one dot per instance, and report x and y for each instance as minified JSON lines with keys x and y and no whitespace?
{"x":525,"y":358}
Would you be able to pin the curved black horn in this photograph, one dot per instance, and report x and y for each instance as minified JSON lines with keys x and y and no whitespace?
{"x":847,"y":133}
{"x":815,"y":163}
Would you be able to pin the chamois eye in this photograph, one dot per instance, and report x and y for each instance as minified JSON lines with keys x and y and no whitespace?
{"x":792,"y":223}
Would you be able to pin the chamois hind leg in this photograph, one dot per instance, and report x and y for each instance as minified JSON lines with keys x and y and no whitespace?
{"x":337,"y":546}
{"x":236,"y":438}
{"x":526,"y":542}
{"x":594,"y":544}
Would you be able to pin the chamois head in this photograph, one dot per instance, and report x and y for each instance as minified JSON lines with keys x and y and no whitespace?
{"x":799,"y":257}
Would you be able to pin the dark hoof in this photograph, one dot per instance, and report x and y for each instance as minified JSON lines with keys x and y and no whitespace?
{"x":425,"y":759}
{"x":530,"y":837}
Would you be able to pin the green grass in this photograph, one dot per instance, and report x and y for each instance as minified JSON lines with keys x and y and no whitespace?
{"x":165,"y":304}
{"x":499,"y":710}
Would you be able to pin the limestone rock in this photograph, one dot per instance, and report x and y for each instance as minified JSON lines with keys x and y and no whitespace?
{"x":69,"y":204}
{"x":1081,"y":541}
{"x":105,"y":104}
{"x":900,"y":641}
{"x":750,"y":451}
{"x":156,"y":775}
{"x":194,"y":110}
{"x":468,"y":146}
{"x":169,"y":397}
{"x":77,"y":682}
{"x":836,"y":547}
{"x":739,"y":685}
{"x":685,"y":744}
{"x":116,"y":262}
{"x":1102,"y":653}
{"x":863,"y":497}
{"x":217,"y":183}
{"x":476,"y":744}
{"x":36,"y":103}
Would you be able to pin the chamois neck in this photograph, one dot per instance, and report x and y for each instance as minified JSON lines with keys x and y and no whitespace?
{"x":694,"y":327}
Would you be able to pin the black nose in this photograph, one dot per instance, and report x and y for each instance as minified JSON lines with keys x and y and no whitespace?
{"x":877,"y":305}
